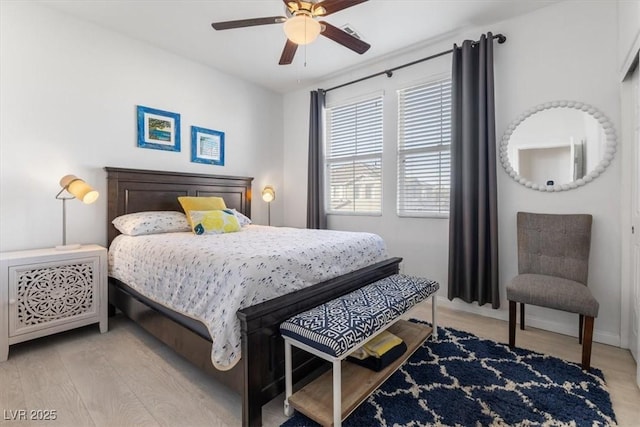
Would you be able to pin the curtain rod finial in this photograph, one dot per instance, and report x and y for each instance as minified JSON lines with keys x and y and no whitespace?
{"x":501,"y":38}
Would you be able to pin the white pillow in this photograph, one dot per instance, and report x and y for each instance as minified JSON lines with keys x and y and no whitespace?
{"x":243,"y":220}
{"x":151,"y":222}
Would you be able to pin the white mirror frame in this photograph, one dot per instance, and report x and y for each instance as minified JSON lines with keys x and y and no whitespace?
{"x":610,"y":150}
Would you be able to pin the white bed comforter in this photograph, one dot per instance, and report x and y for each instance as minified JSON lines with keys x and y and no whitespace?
{"x":210,"y":277}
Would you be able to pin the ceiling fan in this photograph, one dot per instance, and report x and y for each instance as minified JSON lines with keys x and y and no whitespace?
{"x":302,"y":26}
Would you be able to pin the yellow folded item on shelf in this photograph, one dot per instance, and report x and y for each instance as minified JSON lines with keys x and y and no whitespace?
{"x":382,"y":343}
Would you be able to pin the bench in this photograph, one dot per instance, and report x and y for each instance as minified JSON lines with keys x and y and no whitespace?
{"x":337,"y":328}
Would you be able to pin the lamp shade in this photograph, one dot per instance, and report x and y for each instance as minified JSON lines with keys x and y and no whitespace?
{"x":79,"y":189}
{"x":268,"y":194}
{"x":302,"y":29}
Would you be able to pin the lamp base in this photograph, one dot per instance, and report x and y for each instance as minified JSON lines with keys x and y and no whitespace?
{"x":69,"y":247}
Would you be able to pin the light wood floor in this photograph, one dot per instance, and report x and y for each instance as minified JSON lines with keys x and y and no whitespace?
{"x":125,"y":377}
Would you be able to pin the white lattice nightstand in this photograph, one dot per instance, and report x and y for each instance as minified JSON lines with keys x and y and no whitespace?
{"x":45,"y":291}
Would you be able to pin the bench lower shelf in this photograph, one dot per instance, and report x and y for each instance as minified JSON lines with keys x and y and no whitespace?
{"x":315,"y":400}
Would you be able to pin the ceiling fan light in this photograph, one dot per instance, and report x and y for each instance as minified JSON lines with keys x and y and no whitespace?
{"x":302,"y":29}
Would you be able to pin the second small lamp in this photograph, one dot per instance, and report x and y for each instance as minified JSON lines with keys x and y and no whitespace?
{"x":268,"y":195}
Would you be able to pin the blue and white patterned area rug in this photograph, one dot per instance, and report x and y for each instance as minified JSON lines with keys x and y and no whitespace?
{"x":463,"y":380}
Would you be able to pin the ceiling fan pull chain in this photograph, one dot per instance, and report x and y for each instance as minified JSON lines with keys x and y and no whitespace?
{"x":305,"y":45}
{"x":305,"y":56}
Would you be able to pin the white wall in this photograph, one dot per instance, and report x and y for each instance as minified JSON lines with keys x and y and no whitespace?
{"x":69,"y":95}
{"x":547,"y":57}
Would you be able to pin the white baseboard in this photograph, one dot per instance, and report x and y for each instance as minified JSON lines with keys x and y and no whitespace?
{"x":535,"y":322}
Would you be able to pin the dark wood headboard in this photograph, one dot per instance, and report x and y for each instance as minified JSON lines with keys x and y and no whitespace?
{"x":135,"y":190}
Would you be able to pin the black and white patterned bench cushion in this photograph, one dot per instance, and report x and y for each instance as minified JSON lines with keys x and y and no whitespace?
{"x":340,"y":325}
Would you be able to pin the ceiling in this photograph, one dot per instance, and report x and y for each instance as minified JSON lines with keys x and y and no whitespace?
{"x":184,"y":28}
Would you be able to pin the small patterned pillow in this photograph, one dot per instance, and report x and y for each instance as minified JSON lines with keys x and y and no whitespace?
{"x":214,"y":222}
{"x":152,"y":222}
{"x":243,"y":220}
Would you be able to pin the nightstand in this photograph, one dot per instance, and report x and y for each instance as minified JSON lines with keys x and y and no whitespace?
{"x":45,"y":291}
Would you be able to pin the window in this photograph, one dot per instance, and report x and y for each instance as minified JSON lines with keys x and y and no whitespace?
{"x":354,"y":157}
{"x":424,"y":149}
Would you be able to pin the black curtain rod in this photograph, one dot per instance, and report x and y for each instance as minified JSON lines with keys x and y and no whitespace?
{"x":501,"y":39}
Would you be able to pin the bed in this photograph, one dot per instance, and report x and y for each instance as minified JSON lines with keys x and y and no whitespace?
{"x":259,"y":376}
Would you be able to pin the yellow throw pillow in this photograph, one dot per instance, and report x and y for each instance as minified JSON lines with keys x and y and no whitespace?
{"x":190,"y":203}
{"x":214,"y":222}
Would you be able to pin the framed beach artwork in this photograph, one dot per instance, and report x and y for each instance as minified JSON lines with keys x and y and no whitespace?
{"x":158,"y":129}
{"x":207,"y":146}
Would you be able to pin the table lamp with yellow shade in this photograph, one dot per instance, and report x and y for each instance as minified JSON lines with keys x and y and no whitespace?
{"x":75,"y":188}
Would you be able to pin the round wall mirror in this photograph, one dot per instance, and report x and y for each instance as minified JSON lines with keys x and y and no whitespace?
{"x":558,"y":146}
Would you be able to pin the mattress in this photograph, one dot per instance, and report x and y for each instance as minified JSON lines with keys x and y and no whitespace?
{"x":210,"y":277}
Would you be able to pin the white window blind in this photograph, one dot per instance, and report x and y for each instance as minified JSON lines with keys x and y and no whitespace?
{"x":354,"y":157}
{"x":424,"y":149}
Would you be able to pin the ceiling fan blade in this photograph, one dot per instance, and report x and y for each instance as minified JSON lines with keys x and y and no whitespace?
{"x":227,"y":25}
{"x":292,"y":5}
{"x":288,"y":53}
{"x":332,"y":6}
{"x":345,"y":39}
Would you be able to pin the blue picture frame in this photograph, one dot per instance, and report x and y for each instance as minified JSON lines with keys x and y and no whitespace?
{"x":207,"y":146}
{"x":158,"y":129}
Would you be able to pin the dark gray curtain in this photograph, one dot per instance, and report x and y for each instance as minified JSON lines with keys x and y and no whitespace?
{"x":316,"y":217}
{"x":473,"y":216}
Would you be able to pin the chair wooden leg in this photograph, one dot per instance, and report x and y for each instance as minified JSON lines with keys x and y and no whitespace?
{"x":586,"y":343}
{"x":580,"y":324}
{"x":522,"y":316}
{"x":512,"y":323}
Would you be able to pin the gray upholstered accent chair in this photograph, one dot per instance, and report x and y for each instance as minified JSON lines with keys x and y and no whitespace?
{"x":553,"y":265}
